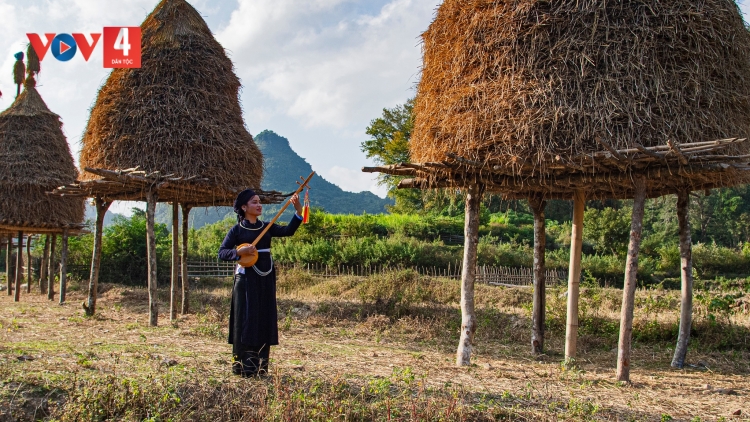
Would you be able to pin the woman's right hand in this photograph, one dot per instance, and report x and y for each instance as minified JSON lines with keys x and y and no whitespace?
{"x":247,"y":250}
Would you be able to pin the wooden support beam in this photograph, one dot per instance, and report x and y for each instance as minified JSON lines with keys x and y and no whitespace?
{"x":51,"y":268}
{"x":101,"y":210}
{"x":676,"y":149}
{"x":29,"y":267}
{"x":175,"y":261}
{"x":43,"y":276}
{"x":8,"y":264}
{"x":153,"y":300}
{"x":19,"y":268}
{"x":652,"y":154}
{"x":63,"y":266}
{"x":574,"y":275}
{"x":468,"y":275}
{"x":463,"y":160}
{"x":540,"y":295}
{"x":631,"y":274}
{"x":611,"y":150}
{"x":686,"y":272}
{"x":184,"y":260}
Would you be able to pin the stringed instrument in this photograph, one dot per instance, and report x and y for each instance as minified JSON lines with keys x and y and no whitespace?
{"x":248,"y":261}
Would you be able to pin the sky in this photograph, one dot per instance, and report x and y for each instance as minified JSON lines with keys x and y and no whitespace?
{"x":314,"y":71}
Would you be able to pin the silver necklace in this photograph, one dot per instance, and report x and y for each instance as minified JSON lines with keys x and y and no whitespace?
{"x":247,"y":228}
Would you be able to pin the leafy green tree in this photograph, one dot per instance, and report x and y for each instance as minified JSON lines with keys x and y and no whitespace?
{"x":389,"y":144}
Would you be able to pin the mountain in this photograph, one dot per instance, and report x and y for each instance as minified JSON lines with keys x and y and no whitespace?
{"x":283,"y":167}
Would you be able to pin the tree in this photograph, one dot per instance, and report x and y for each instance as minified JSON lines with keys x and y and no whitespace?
{"x":389,"y":144}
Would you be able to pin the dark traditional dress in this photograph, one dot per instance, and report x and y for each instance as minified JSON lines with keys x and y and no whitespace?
{"x":253,"y":326}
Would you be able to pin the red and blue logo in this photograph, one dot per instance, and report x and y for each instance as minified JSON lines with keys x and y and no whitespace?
{"x":122,"y":46}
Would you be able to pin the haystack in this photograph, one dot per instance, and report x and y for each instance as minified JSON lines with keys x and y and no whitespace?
{"x":547,"y":89}
{"x":581,"y":99}
{"x":35,"y":159}
{"x":179,"y":113}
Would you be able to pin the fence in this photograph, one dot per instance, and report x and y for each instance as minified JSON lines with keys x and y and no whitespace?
{"x":485,"y":274}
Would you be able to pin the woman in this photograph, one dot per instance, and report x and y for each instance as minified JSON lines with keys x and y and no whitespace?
{"x":253,"y":327}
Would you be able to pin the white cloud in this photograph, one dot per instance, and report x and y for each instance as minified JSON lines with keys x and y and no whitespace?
{"x":355,"y":181}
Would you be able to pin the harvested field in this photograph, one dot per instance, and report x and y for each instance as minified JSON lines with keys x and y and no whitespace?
{"x":349,"y":351}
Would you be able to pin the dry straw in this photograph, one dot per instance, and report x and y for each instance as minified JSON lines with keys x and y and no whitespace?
{"x":528,"y":84}
{"x":179,"y":113}
{"x":34,"y":159}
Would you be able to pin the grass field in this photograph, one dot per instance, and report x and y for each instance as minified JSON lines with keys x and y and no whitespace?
{"x":379,"y":348}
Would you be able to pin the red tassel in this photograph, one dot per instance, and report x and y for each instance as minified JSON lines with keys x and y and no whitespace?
{"x":306,"y":208}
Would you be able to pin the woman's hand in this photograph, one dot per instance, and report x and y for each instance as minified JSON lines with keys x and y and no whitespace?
{"x":297,"y":204}
{"x":247,"y":250}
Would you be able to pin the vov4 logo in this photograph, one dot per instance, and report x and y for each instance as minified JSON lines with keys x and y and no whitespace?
{"x":122,"y":46}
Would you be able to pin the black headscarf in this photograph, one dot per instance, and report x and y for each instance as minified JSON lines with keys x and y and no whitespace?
{"x":241,"y":200}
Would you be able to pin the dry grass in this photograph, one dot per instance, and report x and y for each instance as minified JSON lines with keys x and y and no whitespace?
{"x":179,"y":113}
{"x":530,"y":85}
{"x":340,"y":358}
{"x":34,"y":159}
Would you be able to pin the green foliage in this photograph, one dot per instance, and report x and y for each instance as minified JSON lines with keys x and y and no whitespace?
{"x":608,"y":230}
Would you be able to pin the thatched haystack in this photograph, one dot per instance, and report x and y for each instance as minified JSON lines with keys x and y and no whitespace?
{"x":179,"y":113}
{"x":526,"y":84}
{"x":35,"y":159}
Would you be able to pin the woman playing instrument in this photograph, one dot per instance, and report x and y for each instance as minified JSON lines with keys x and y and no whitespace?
{"x":253,"y":325}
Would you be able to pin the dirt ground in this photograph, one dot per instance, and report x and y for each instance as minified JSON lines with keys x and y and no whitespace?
{"x":38,"y":336}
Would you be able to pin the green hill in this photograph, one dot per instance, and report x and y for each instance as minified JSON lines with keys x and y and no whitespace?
{"x":283,"y":167}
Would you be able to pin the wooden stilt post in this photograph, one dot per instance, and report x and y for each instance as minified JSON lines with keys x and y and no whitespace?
{"x":96,"y":256}
{"x":574,"y":275}
{"x":540,"y":286}
{"x":8,"y":264}
{"x":64,"y":266}
{"x":19,"y":268}
{"x":51,"y":268}
{"x":153,"y":302}
{"x":175,"y":261}
{"x":628,"y":291}
{"x":471,"y":240}
{"x":686,"y":270}
{"x":29,"y":266}
{"x":43,"y":270}
{"x":184,"y":261}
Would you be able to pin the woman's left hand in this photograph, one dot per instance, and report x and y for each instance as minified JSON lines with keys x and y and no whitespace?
{"x":297,"y":204}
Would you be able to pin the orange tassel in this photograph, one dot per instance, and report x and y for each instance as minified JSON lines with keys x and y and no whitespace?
{"x":306,"y":208}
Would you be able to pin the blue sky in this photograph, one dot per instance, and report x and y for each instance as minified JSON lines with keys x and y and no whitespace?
{"x":313,"y":71}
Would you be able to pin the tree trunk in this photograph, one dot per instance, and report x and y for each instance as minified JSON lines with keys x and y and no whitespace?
{"x":686,"y":265}
{"x":574,"y":275}
{"x":153,"y":303}
{"x":471,"y":239}
{"x":51,"y":269}
{"x":96,"y":257}
{"x":43,"y":268}
{"x":29,"y":266}
{"x":628,"y":291}
{"x":184,"y":261}
{"x":540,"y":286}
{"x":8,"y":264}
{"x":175,"y":261}
{"x":19,"y":268}
{"x":64,"y":266}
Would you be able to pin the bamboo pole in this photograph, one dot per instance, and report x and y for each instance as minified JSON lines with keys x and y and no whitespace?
{"x":686,"y":270}
{"x":43,"y":269}
{"x":471,"y":240}
{"x":574,"y":275}
{"x":540,"y":277}
{"x":19,"y":268}
{"x":51,"y":269}
{"x":153,"y":304}
{"x":29,"y":266}
{"x":96,"y":257}
{"x":8,"y":263}
{"x":185,"y":281}
{"x":628,"y":291}
{"x":64,"y":266}
{"x":175,"y":261}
